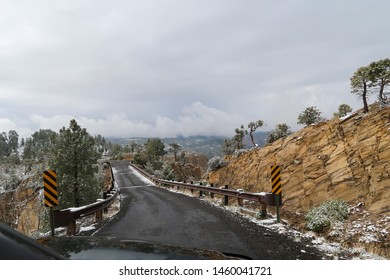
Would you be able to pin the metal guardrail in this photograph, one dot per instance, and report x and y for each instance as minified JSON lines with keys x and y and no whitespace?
{"x":265,"y":199}
{"x":68,"y":217}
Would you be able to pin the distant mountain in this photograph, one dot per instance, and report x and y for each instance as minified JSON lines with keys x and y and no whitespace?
{"x":207,"y":145}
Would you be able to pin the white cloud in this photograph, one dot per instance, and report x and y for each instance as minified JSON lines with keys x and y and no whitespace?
{"x":55,"y":122}
{"x":7,"y":125}
{"x":199,"y":119}
{"x":195,"y":119}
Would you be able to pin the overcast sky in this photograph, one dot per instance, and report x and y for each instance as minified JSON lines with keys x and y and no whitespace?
{"x":161,"y":68}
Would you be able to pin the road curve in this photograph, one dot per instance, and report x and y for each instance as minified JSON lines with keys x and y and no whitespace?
{"x":153,"y":214}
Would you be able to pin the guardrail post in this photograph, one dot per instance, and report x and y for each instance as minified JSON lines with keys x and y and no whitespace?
{"x":226,"y":200}
{"x":263,"y":210}
{"x":200,"y":192}
{"x":112,"y":184}
{"x":71,"y":228}
{"x":240,"y":201}
{"x":105,"y":196}
{"x":99,"y":216}
{"x":212,"y":194}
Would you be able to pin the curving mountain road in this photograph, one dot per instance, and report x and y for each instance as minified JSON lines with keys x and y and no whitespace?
{"x":153,"y":214}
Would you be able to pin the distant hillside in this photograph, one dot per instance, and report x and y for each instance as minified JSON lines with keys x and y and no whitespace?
{"x":207,"y":145}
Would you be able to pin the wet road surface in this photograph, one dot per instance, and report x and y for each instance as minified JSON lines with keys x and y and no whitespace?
{"x":154,"y":214}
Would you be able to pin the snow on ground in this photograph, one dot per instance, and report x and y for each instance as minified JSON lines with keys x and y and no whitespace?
{"x":333,"y":250}
{"x":364,"y":230}
{"x":139,"y":176}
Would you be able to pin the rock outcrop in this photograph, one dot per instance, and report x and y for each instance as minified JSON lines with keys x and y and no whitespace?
{"x":23,"y":207}
{"x":191,"y":167}
{"x":345,"y":159}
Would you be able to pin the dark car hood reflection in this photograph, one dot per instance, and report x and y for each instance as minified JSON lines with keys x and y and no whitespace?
{"x":113,"y":248}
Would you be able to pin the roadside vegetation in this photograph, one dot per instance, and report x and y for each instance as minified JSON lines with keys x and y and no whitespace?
{"x":327,"y":214}
{"x":72,"y":152}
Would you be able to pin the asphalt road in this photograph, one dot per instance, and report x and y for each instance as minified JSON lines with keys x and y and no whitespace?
{"x":154,"y":214}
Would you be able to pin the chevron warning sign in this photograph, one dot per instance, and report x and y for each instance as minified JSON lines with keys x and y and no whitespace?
{"x":50,"y":188}
{"x":275,"y":179}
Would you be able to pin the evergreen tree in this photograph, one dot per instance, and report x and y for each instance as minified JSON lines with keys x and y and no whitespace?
{"x":281,"y":131}
{"x":42,"y":142}
{"x":154,"y":149}
{"x":344,"y":109}
{"x":373,"y":78}
{"x":13,"y":141}
{"x":75,"y":158}
{"x":238,"y":138}
{"x":9,"y":143}
{"x":252,"y":128}
{"x":175,"y":149}
{"x":311,"y":115}
{"x":3,"y":145}
{"x":360,"y":83}
{"x":227,"y":147}
{"x":380,"y":77}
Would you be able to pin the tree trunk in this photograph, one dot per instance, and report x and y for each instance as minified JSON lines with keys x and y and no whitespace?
{"x":76,"y":188}
{"x":252,"y":139}
{"x":381,"y":89}
{"x":364,"y":96}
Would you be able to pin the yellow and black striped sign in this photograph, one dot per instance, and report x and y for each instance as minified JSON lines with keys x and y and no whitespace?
{"x":275,"y":179}
{"x":50,"y":188}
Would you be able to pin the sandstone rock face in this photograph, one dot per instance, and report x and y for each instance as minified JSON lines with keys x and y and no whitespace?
{"x":339,"y":159}
{"x":190,"y":168}
{"x":22,"y":208}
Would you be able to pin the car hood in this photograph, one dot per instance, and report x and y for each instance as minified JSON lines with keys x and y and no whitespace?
{"x":116,"y":248}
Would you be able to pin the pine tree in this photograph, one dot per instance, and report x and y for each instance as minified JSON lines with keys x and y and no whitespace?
{"x":360,"y":83}
{"x":75,"y":158}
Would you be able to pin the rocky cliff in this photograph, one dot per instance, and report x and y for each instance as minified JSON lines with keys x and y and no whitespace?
{"x":345,"y":159}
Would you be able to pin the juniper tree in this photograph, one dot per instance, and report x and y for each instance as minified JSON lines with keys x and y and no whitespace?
{"x":344,"y":109}
{"x":281,"y":131}
{"x":311,"y":115}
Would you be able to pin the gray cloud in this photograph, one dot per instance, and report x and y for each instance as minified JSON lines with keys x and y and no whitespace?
{"x":149,"y":68}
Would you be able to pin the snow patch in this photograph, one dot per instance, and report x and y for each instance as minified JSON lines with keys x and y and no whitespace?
{"x":345,"y":117}
{"x":87,"y":228}
{"x":140,"y":176}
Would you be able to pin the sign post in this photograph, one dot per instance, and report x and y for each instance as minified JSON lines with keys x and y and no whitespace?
{"x":276,"y":187}
{"x":50,"y":189}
